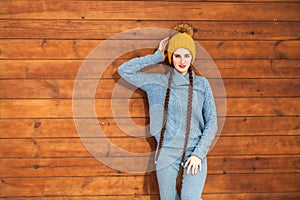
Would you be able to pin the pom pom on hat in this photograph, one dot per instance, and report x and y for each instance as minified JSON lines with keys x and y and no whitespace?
{"x":184,"y":28}
{"x":182,"y":38}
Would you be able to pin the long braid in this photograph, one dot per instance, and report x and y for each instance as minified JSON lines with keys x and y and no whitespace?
{"x":189,"y":114}
{"x":188,"y":125}
{"x":166,"y":106}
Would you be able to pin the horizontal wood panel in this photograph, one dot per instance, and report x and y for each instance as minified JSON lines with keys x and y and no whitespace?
{"x":36,"y":89}
{"x":144,"y":10}
{"x":246,"y":183}
{"x":241,"y":196}
{"x":72,"y":186}
{"x":123,"y":127}
{"x":104,"y":197}
{"x":62,"y":69}
{"x":262,"y":88}
{"x":80,"y":49}
{"x":84,"y":29}
{"x":138,"y":108}
{"x":255,"y":69}
{"x":72,"y":167}
{"x":256,"y":196}
{"x":69,"y":147}
{"x":260,"y":106}
{"x":136,"y":185}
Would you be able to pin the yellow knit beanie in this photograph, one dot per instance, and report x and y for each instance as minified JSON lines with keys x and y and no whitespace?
{"x":182,"y":38}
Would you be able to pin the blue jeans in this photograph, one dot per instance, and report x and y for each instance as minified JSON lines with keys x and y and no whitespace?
{"x":167,"y":168}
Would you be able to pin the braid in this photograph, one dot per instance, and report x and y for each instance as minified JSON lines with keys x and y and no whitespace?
{"x":188,"y":125}
{"x":166,"y":106}
{"x":189,"y":115}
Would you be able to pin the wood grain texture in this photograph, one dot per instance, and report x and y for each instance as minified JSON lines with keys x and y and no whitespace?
{"x":67,"y":69}
{"x":81,"y":49}
{"x":141,"y":10}
{"x":63,"y":89}
{"x":238,"y":196}
{"x":134,"y":185}
{"x":138,"y":108}
{"x":89,"y":166}
{"x":56,"y":128}
{"x":91,"y":29}
{"x":73,"y":147}
{"x":43,"y":43}
{"x":144,"y":10}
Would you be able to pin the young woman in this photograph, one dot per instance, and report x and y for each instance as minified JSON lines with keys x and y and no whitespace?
{"x":183,"y":116}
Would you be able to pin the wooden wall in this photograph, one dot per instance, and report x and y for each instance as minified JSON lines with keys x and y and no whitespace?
{"x":255,"y":44}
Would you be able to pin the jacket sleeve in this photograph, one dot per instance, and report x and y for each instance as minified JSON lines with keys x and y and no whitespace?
{"x":210,"y":124}
{"x":130,"y":70}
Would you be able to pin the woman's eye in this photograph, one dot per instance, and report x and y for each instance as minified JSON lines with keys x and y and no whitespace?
{"x":177,"y":56}
{"x":187,"y":56}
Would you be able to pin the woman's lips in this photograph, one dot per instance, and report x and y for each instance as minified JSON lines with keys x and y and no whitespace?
{"x":182,"y":66}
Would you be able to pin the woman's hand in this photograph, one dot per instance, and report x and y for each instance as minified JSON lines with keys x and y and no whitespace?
{"x":193,"y":164}
{"x":162,"y":45}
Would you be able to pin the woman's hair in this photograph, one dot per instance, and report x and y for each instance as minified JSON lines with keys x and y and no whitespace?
{"x":180,"y":28}
{"x":188,"y":123}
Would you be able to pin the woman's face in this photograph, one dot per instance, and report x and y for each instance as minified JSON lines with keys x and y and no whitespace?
{"x":182,"y":59}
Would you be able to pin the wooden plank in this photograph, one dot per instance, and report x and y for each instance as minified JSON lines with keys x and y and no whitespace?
{"x":261,"y":126}
{"x":53,"y":128}
{"x":67,"y":69}
{"x":254,"y":69}
{"x":62,"y":167}
{"x":252,"y":183}
{"x":253,"y":164}
{"x":73,"y":147}
{"x":214,"y":0}
{"x":62,"y":108}
{"x":85,"y":29}
{"x":72,"y":186}
{"x":80,"y":49}
{"x":239,"y":196}
{"x":99,"y":197}
{"x":70,"y":147}
{"x":35,"y":89}
{"x":253,"y":196}
{"x":257,"y":145}
{"x":260,"y":87}
{"x":73,"y":167}
{"x":259,"y":106}
{"x":11,"y":187}
{"x":40,"y":69}
{"x":142,"y":10}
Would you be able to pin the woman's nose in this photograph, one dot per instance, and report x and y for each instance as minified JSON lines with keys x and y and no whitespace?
{"x":182,"y":60}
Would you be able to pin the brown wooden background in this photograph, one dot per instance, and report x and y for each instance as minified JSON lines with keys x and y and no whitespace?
{"x":255,"y":44}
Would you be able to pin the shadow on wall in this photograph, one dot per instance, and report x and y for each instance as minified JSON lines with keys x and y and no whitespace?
{"x":150,"y":185}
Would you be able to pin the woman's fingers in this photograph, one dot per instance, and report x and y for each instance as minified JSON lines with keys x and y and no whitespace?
{"x":162,"y":46}
{"x":200,"y":168}
{"x":195,"y":169}
{"x":189,"y":168}
{"x":187,"y":162}
{"x":193,"y":164}
{"x":163,"y":43}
